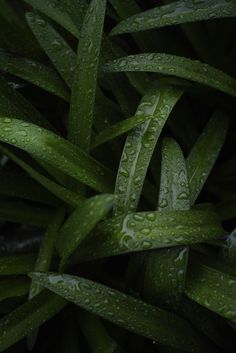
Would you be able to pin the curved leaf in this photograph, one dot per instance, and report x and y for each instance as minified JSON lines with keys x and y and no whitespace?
{"x":166,"y":268}
{"x":213,"y":289}
{"x":57,"y":152}
{"x":45,"y":254}
{"x":14,"y":105}
{"x":81,"y":223}
{"x":56,"y":11}
{"x":20,"y":322}
{"x":62,"y":193}
{"x":204,"y":153}
{"x":43,"y":261}
{"x":85,"y":76}
{"x":125,"y":311}
{"x":183,"y":11}
{"x":54,"y":45}
{"x":173,"y":65}
{"x":149,"y":230}
{"x":140,"y":144}
{"x":118,"y":129}
{"x":35,"y":73}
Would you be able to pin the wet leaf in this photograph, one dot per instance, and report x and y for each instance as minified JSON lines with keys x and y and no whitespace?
{"x":35,"y":73}
{"x":125,"y":311}
{"x":21,"y":321}
{"x":167,"y":64}
{"x":204,"y":153}
{"x":140,"y":144}
{"x":213,"y":289}
{"x":85,"y":76}
{"x":149,"y":230}
{"x":183,"y":11}
{"x":55,"y":151}
{"x":81,"y":222}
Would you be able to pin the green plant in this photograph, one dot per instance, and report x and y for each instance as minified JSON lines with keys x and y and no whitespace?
{"x":110,"y":244}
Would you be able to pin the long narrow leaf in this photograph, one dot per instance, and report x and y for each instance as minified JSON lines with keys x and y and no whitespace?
{"x":81,"y":223}
{"x":44,"y":260}
{"x":167,"y":64}
{"x":118,"y":129}
{"x":166,"y":269}
{"x":21,"y":321}
{"x":213,"y":289}
{"x":204,"y":153}
{"x":183,"y":11}
{"x":56,"y":152}
{"x":57,"y":49}
{"x":140,"y":144}
{"x":85,"y":77}
{"x":62,"y":193}
{"x":150,"y":230}
{"x":34,"y":72}
{"x":14,"y":105}
{"x":55,"y":10}
{"x":125,"y":311}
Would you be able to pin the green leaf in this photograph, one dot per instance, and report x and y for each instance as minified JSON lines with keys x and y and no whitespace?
{"x":21,"y":321}
{"x":57,"y":49}
{"x":45,"y":254}
{"x":62,"y":193}
{"x":16,"y":265}
{"x":55,"y":10}
{"x":174,"y":190}
{"x":81,"y":223}
{"x":212,"y":289}
{"x":212,"y":325}
{"x":204,"y":153}
{"x":118,"y":129}
{"x":149,"y":230}
{"x":166,"y":269}
{"x":14,"y":105}
{"x":167,"y":64}
{"x":35,"y":73}
{"x":43,"y":261}
{"x":13,"y":287}
{"x":125,"y":311}
{"x":140,"y":145}
{"x":76,"y":11}
{"x":21,"y":212}
{"x":85,"y":76}
{"x":57,"y":152}
{"x":183,"y":11}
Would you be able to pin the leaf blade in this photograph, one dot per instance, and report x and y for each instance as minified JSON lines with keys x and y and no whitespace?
{"x":167,"y":64}
{"x":176,"y":13}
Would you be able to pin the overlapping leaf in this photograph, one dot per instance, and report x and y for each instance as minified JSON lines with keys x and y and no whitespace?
{"x":81,"y":222}
{"x":55,"y":151}
{"x":183,"y":11}
{"x":167,"y":64}
{"x":34,"y":72}
{"x":140,"y":144}
{"x":85,"y":76}
{"x":150,"y":230}
{"x":125,"y":311}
